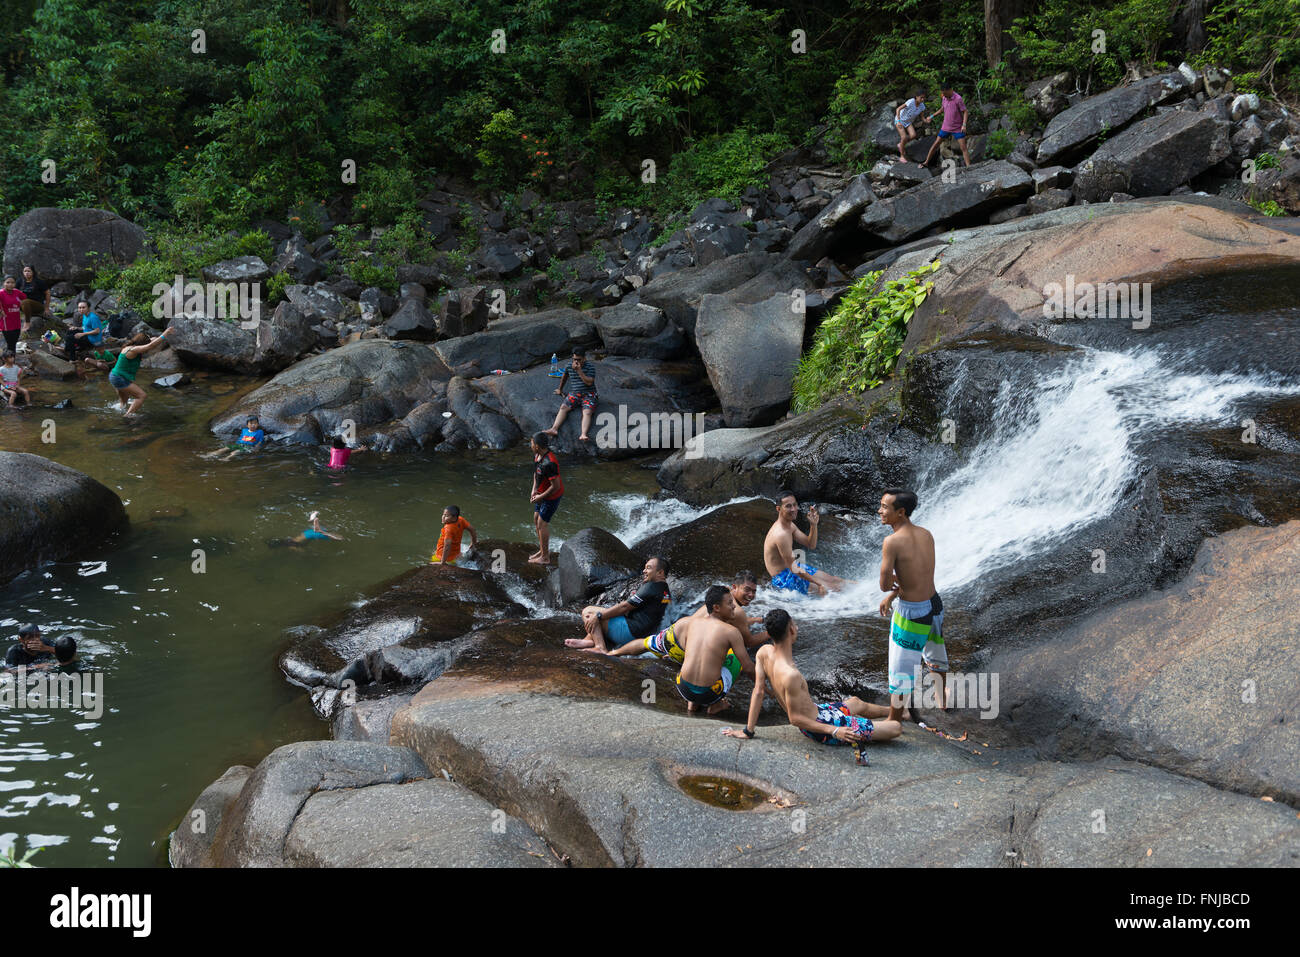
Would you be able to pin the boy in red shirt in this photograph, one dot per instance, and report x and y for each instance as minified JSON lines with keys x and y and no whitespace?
{"x":953,"y":108}
{"x":453,"y":527}
{"x":548,"y":489}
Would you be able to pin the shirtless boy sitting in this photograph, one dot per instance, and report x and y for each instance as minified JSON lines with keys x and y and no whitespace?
{"x":715,"y":654}
{"x":778,"y":551}
{"x":837,"y":722}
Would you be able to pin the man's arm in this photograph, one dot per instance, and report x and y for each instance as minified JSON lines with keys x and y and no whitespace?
{"x":582,"y":374}
{"x":755,"y":701}
{"x":738,"y":647}
{"x":473,"y":535}
{"x":816,"y":727}
{"x":622,"y":608}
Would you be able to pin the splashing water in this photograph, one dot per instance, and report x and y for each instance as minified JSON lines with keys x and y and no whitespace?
{"x":1061,"y":454}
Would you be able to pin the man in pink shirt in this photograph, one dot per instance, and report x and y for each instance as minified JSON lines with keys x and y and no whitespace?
{"x":953,"y":108}
{"x":12,"y":321}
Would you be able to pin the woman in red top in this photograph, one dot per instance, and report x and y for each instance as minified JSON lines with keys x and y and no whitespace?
{"x":548,"y":489}
{"x":11,"y":313}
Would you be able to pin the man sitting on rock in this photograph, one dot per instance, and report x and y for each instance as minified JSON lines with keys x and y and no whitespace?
{"x":671,"y":642}
{"x":583,"y":393}
{"x":836,"y":722}
{"x":635,"y":618}
{"x":778,"y":551}
{"x":715,"y":648}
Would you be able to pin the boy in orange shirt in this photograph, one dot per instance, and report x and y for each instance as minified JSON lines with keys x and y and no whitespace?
{"x":453,"y":527}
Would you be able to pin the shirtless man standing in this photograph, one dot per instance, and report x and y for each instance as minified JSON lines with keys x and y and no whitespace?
{"x":907,"y":573}
{"x":837,"y":722}
{"x":715,"y":654}
{"x":671,"y":642}
{"x":778,"y":551}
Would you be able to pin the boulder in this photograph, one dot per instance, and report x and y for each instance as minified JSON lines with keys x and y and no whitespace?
{"x":370,"y":382}
{"x":412,"y":321}
{"x":463,"y":312}
{"x":70,"y":244}
{"x":639,"y":331}
{"x":750,"y":352}
{"x":230,"y":347}
{"x":49,"y":366}
{"x":979,"y":188}
{"x":239,"y":269}
{"x":297,"y":260}
{"x":816,"y":238}
{"x":321,"y":304}
{"x":678,"y":293}
{"x":645,"y":405}
{"x":1047,"y":96}
{"x":1050,"y":176}
{"x":593,"y":560}
{"x":253,"y":827}
{"x":518,"y":342}
{"x":428,"y":823}
{"x":1152,"y":157}
{"x":1048,"y":200}
{"x":660,"y":789}
{"x":430,"y":277}
{"x":710,"y":242}
{"x":1073,"y":131}
{"x":1201,"y":678}
{"x":49,"y":512}
{"x":1282,"y":185}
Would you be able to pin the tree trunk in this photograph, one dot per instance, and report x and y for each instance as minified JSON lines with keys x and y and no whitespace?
{"x":998,"y":16}
{"x":1189,"y":24}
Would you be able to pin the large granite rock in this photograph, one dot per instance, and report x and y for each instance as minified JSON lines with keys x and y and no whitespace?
{"x":49,"y":512}
{"x":640,"y":331}
{"x":251,"y":829}
{"x":371,"y":382}
{"x":1152,"y":157}
{"x":750,"y":352}
{"x":518,"y":342}
{"x":656,"y":790}
{"x":819,"y":234}
{"x":1073,"y":131}
{"x":678,"y":293}
{"x":592,"y":561}
{"x":1282,"y":185}
{"x":644,"y":406}
{"x":228,"y":346}
{"x":239,"y":269}
{"x":978,"y":189}
{"x":1202,"y":678}
{"x":70,"y":244}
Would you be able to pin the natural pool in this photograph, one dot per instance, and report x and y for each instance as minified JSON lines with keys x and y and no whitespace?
{"x":189,"y":660}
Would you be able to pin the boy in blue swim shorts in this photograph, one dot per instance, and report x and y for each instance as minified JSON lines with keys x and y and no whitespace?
{"x":788,"y":573}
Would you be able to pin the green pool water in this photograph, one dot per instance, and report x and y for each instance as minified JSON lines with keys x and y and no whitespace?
{"x":191,"y":684}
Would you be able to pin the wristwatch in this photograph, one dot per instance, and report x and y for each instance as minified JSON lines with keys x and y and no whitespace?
{"x":748,"y":733}
{"x":600,"y":616}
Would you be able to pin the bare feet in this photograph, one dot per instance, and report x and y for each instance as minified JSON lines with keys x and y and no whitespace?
{"x":718,"y":706}
{"x":551,"y":431}
{"x":580,"y":643}
{"x":583,"y":438}
{"x":540,"y":559}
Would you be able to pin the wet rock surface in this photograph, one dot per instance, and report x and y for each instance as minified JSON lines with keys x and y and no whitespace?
{"x":49,"y":512}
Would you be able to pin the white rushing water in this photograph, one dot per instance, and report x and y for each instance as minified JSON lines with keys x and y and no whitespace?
{"x":1060,"y":457}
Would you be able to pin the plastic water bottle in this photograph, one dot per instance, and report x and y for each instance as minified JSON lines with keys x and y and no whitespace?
{"x":555,"y":365}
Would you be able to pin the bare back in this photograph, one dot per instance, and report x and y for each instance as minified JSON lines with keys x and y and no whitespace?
{"x":738,"y":619}
{"x":709,"y":641}
{"x":910,"y":550}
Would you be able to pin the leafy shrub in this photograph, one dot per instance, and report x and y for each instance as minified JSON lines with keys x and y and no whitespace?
{"x":858,"y":347}
{"x":1268,"y":207}
{"x":1000,"y":144}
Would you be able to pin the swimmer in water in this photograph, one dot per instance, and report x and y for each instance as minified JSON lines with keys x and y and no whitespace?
{"x":340,"y":453}
{"x":778,"y":551}
{"x":314,"y":532}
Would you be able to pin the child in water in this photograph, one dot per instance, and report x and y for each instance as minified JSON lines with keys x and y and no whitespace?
{"x":453,"y":527}
{"x":315,"y":531}
{"x":250,"y":440}
{"x":340,"y":453}
{"x":10,"y":373}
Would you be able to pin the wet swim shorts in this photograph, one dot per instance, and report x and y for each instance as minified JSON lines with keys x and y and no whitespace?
{"x":789,"y":581}
{"x":837,"y":713}
{"x":915,"y":641}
